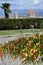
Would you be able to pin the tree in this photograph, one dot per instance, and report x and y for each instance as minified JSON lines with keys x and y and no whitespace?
{"x":5,"y":7}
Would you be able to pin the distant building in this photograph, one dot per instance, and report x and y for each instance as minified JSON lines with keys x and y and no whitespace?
{"x":16,"y":14}
{"x":22,"y":17}
{"x":31,"y":13}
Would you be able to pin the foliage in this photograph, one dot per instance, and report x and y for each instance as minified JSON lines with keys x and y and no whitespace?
{"x":11,"y":24}
{"x":5,"y":7}
{"x":29,"y":48}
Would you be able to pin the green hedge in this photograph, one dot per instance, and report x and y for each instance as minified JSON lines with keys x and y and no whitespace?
{"x":7,"y":24}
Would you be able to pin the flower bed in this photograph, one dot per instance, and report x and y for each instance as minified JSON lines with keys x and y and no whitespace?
{"x":27,"y":48}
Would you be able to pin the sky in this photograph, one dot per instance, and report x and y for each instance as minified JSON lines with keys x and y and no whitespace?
{"x":24,"y":4}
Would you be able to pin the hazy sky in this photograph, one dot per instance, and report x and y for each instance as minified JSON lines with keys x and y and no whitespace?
{"x":24,"y":4}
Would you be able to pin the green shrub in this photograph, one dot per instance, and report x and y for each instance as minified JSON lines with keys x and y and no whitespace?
{"x":7,"y":24}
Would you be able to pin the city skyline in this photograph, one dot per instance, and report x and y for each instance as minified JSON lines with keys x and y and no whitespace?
{"x":23,"y":6}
